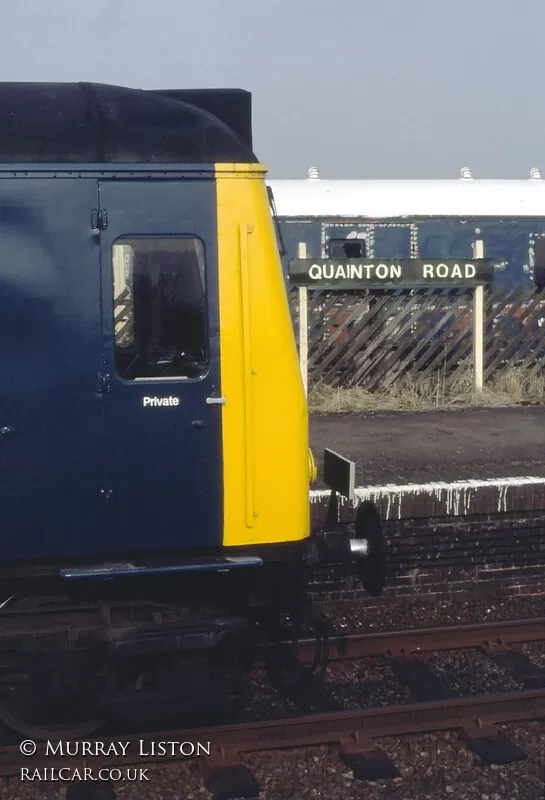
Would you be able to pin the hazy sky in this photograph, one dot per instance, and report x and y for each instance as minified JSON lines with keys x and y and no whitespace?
{"x":388,"y":88}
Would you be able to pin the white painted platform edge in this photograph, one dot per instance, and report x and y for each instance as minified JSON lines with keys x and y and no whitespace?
{"x":458,"y":495}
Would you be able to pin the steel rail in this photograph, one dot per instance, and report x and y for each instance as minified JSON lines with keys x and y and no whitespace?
{"x":490,"y":635}
{"x":345,"y":728}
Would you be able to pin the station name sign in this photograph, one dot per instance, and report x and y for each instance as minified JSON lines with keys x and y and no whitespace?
{"x":323,"y":273}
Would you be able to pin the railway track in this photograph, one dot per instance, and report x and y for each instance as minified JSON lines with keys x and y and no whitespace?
{"x":320,"y":719}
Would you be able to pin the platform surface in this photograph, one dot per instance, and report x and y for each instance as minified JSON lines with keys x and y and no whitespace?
{"x":410,"y":447}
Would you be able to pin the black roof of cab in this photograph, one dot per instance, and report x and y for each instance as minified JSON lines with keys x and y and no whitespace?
{"x":100,"y":124}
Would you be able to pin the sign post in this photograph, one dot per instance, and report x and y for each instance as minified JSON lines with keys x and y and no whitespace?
{"x":408,"y":273}
{"x":478,"y":323}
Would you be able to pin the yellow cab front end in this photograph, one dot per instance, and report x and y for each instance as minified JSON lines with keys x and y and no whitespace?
{"x":267,"y":464}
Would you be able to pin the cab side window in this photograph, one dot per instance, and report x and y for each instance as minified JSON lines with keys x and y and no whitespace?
{"x":160,"y":315}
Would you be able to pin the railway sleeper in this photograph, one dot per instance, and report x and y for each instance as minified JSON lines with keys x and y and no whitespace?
{"x":367,"y":761}
{"x":421,"y":679}
{"x":85,"y":791}
{"x":227,"y":778}
{"x":519,"y":666}
{"x":490,"y":745}
{"x":298,"y":683}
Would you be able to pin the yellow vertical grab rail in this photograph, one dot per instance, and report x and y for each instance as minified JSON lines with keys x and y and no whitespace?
{"x":248,"y":373}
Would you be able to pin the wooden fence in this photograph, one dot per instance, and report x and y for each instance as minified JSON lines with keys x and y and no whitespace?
{"x":372,"y":340}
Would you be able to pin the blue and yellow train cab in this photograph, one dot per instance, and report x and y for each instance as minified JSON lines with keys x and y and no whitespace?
{"x":153,"y":416}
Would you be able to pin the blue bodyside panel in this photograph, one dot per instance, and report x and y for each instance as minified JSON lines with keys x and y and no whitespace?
{"x":86,"y":469}
{"x":505,"y":241}
{"x":52,"y":460}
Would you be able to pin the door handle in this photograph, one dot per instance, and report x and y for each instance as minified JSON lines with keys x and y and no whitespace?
{"x":213,"y":401}
{"x":6,"y":430}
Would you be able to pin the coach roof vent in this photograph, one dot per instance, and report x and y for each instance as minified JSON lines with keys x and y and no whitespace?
{"x":535,"y":174}
{"x":314,"y":173}
{"x":465,"y":173}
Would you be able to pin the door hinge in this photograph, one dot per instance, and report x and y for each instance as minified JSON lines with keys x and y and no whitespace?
{"x":104,"y":383}
{"x":107,"y":495}
{"x":99,"y":219}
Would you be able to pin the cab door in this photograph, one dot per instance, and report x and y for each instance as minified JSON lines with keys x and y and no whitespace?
{"x":163,"y":394}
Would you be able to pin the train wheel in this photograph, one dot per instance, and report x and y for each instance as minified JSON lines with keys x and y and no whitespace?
{"x":53,"y":696}
{"x":24,"y":725}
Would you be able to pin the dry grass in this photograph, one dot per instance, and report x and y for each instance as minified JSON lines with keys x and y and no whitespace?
{"x":516,"y":386}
